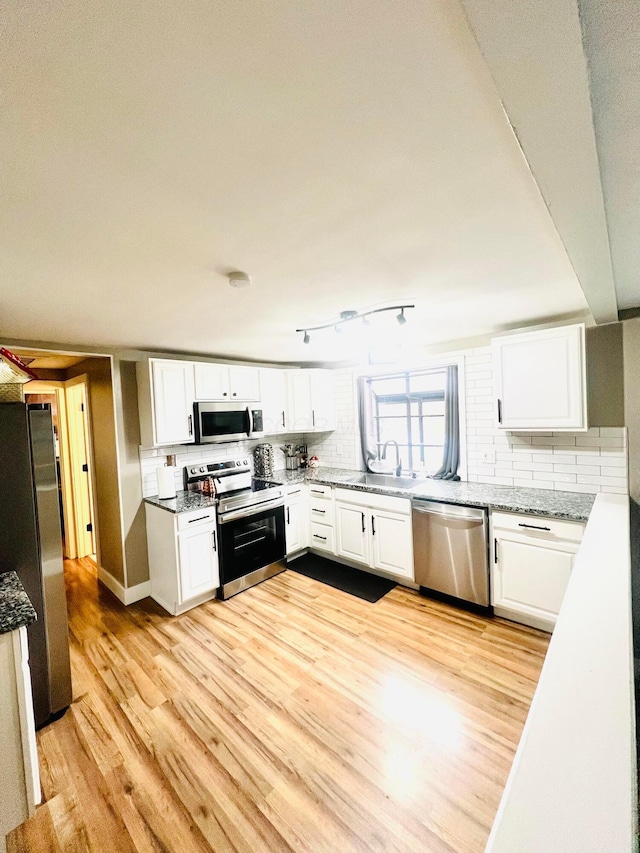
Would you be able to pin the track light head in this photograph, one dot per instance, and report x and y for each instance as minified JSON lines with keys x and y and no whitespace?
{"x":307,"y":337}
{"x":401,"y":318}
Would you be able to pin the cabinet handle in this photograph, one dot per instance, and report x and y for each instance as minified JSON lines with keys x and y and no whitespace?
{"x":316,"y":492}
{"x":322,"y":511}
{"x":499,"y":411}
{"x":363,"y":527}
{"x":234,"y":394}
{"x":215,"y":547}
{"x":315,"y":536}
{"x":373,"y":525}
{"x":535,"y":527}
{"x":288,"y":517}
{"x":199,"y":518}
{"x":495,"y":550}
{"x":297,"y":492}
{"x":190,"y":424}
{"x":224,"y":394}
{"x":283,"y":423}
{"x":313,"y":417}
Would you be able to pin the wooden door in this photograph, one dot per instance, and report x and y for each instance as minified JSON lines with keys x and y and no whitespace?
{"x":81,"y":464}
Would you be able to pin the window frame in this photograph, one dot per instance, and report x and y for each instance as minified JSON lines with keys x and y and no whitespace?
{"x":425,"y":367}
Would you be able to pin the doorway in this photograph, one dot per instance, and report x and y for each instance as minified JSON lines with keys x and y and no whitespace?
{"x":70,"y":410}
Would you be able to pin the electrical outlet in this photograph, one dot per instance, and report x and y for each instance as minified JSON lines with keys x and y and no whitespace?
{"x":489,"y":457}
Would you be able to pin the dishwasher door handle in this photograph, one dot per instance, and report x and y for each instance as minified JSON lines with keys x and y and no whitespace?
{"x":477,"y":518}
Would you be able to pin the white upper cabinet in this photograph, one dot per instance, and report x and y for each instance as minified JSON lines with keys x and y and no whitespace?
{"x":226,"y":382}
{"x":165,"y":402}
{"x":540,"y":380}
{"x":273,"y":399}
{"x":311,"y":400}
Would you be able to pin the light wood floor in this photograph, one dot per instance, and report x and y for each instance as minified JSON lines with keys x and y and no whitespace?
{"x":292,"y":717}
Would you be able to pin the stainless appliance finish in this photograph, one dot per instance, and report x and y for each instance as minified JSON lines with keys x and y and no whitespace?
{"x":31,"y":545}
{"x":250,"y":518}
{"x":216,"y":422}
{"x":450,"y":550}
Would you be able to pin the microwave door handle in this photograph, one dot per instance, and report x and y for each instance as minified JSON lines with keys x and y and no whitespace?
{"x":249,"y":422}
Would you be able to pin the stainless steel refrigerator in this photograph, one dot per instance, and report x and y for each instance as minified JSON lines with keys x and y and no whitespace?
{"x":31,"y":545}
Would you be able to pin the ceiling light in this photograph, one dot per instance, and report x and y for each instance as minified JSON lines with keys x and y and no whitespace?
{"x":348,"y":316}
{"x":239,"y":279}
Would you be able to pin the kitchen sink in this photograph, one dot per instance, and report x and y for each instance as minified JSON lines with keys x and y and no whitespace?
{"x":385,"y":480}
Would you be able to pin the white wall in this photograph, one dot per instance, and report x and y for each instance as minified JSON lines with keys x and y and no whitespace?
{"x":595,"y":461}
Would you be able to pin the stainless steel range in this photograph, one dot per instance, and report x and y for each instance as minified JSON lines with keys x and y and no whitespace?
{"x":251,"y":530}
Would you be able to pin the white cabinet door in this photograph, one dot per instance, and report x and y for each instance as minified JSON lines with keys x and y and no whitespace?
{"x":299,"y":401}
{"x":173,"y":396}
{"x":296,"y":524}
{"x":311,"y":400}
{"x":211,"y":381}
{"x":392,"y":543}
{"x":352,"y":532}
{"x":198,"y":562}
{"x":323,"y":407}
{"x":273,"y":400}
{"x":540,"y":379}
{"x":244,"y":383}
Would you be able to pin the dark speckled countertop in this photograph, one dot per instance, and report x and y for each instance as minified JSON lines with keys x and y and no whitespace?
{"x":16,"y":611}
{"x":183,"y":502}
{"x":573,"y":506}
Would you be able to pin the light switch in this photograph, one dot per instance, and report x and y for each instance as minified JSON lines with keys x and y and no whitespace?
{"x":489,"y":457}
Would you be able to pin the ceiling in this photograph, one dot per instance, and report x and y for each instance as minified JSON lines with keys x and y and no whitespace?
{"x":345,"y":155}
{"x":37,"y":360}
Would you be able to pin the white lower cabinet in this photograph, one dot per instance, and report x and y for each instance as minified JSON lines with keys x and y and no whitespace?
{"x":183,"y":557}
{"x":375,"y":531}
{"x":21,"y":789}
{"x":532,"y":561}
{"x":296,"y":519}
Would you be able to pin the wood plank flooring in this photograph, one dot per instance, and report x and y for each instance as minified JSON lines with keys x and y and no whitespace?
{"x":292,"y":717}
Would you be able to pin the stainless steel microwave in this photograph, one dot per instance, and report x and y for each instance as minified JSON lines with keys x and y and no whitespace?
{"x":226,"y":422}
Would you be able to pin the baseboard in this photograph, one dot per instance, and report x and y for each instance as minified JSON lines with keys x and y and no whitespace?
{"x":127,"y":595}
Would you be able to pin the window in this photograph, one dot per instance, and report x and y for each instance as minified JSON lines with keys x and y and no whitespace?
{"x":409,"y":408}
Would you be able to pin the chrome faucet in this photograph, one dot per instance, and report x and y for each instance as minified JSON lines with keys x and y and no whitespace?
{"x":384,"y":455}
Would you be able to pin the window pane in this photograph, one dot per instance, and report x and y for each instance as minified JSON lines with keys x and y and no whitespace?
{"x":428,"y":382}
{"x":432,"y":459}
{"x":392,"y":409}
{"x":394,"y":428}
{"x":433,"y":407}
{"x":381,"y":387}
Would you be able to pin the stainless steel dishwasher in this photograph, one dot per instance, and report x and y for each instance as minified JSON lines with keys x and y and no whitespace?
{"x":450,"y":550}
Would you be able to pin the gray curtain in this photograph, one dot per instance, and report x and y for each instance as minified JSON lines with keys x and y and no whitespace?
{"x":451,"y":456}
{"x":365,"y":413}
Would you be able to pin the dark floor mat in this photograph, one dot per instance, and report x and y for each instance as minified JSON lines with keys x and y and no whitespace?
{"x":361,"y":584}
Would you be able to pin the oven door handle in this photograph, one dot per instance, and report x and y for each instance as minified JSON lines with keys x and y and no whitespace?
{"x":248,"y":511}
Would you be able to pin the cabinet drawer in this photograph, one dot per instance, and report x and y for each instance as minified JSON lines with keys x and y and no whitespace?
{"x":189,"y":520}
{"x":316,"y":490}
{"x":322,"y":537}
{"x":321,"y":510}
{"x":536,"y":525}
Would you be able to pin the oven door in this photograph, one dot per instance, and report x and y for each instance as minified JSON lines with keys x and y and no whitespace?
{"x":221,"y":422}
{"x":250,"y":539}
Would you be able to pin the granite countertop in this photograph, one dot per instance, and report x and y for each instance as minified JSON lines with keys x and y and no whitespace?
{"x":574,"y":506}
{"x":16,"y":611}
{"x":183,"y":501}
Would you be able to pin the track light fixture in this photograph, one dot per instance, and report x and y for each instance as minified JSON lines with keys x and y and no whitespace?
{"x":348,"y":316}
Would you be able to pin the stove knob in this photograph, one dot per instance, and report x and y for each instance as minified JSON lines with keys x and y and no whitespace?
{"x":246,"y":462}
{"x":193,"y":471}
{"x":203,"y":470}
{"x":238,"y":463}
